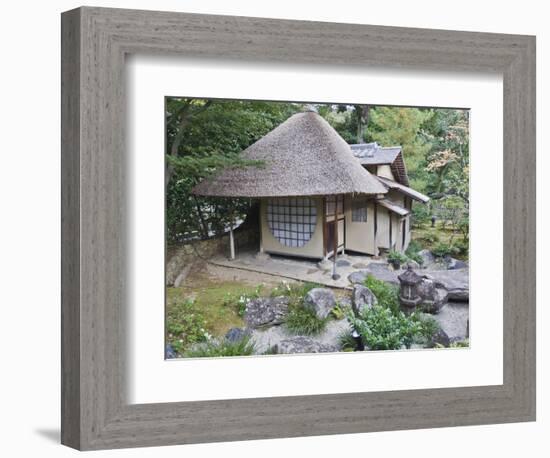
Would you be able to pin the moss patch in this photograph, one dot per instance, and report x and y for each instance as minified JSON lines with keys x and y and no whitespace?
{"x":212,"y":302}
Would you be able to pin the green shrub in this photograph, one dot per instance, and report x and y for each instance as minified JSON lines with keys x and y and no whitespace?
{"x":421,"y":214}
{"x":412,"y":252}
{"x":430,"y":237}
{"x":215,"y":348}
{"x":381,"y":329}
{"x":303,"y":321}
{"x":185,"y":325}
{"x":461,"y":344}
{"x":338,"y":312}
{"x":386,"y":293}
{"x":462,"y":248}
{"x":294,"y":291}
{"x":346,"y":341}
{"x":428,"y":327}
{"x":442,"y":249}
{"x":397,"y":257}
{"x":239,"y":301}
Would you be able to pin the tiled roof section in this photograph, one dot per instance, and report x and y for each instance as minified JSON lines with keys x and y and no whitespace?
{"x":393,"y":207}
{"x":374,"y":154}
{"x":404,"y":189}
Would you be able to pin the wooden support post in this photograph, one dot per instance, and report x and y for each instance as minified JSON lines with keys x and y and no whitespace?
{"x":260,"y":225}
{"x":231,"y":243}
{"x":375,"y":230}
{"x":231,"y":236}
{"x":335,"y":276}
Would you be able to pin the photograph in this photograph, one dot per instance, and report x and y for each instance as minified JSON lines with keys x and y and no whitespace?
{"x":307,"y":228}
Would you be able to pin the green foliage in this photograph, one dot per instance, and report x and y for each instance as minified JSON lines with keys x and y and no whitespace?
{"x":185,"y":325}
{"x":338,"y":312}
{"x":346,"y":341}
{"x":390,"y":126}
{"x":214,"y":348}
{"x":460,"y":344}
{"x":442,"y":249}
{"x":239,"y":301}
{"x":396,"y":257}
{"x":381,"y":329}
{"x":386,"y":293}
{"x":294,"y":291}
{"x":428,"y":325}
{"x":412,"y":252}
{"x":462,"y":248}
{"x":385,"y":326}
{"x":421,"y":214}
{"x":304,"y":321}
{"x":202,"y":137}
{"x":430,"y":237}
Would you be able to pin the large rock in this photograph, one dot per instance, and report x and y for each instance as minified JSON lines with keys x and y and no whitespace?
{"x":266,"y":311}
{"x":321,"y":301}
{"x":358,"y":277}
{"x":236,"y":334}
{"x":303,"y":344}
{"x":453,"y":264}
{"x":427,"y":257}
{"x":456,"y":282}
{"x":433,"y":298}
{"x":439,"y":338}
{"x":453,"y":319}
{"x":362,"y":298}
{"x":383,"y":272}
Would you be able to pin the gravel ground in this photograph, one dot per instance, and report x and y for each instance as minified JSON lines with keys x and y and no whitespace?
{"x":265,"y":339}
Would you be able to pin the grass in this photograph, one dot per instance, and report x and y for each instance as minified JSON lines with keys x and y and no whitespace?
{"x":196,"y":313}
{"x":294,"y":291}
{"x":185,"y":325}
{"x":430,"y":237}
{"x":346,"y":341}
{"x":300,"y":321}
{"x":222,"y":347}
{"x":303,"y":321}
{"x":386,"y":293}
{"x":212,"y":302}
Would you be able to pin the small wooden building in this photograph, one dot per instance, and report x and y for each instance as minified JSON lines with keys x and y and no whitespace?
{"x":392,"y":213}
{"x":316,"y":193}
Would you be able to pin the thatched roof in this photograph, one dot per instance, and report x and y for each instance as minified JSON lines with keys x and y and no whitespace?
{"x":304,"y":156}
{"x":374,"y":154}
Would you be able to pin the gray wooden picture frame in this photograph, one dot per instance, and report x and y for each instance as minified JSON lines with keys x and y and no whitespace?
{"x":95,"y":413}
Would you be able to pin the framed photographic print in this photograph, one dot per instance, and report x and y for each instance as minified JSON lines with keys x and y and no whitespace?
{"x":286,"y":228}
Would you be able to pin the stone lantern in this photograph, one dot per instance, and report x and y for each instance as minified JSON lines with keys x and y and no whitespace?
{"x":409,"y":295}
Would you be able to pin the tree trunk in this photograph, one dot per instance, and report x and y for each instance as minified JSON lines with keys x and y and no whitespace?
{"x":362,"y":114}
{"x":185,"y":115}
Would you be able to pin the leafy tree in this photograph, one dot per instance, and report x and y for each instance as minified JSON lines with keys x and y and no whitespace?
{"x":203,"y":136}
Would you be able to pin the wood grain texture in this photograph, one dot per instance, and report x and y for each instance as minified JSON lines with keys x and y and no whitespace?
{"x":95,"y":413}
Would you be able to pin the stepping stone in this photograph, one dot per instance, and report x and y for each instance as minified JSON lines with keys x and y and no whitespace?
{"x":360,"y":265}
